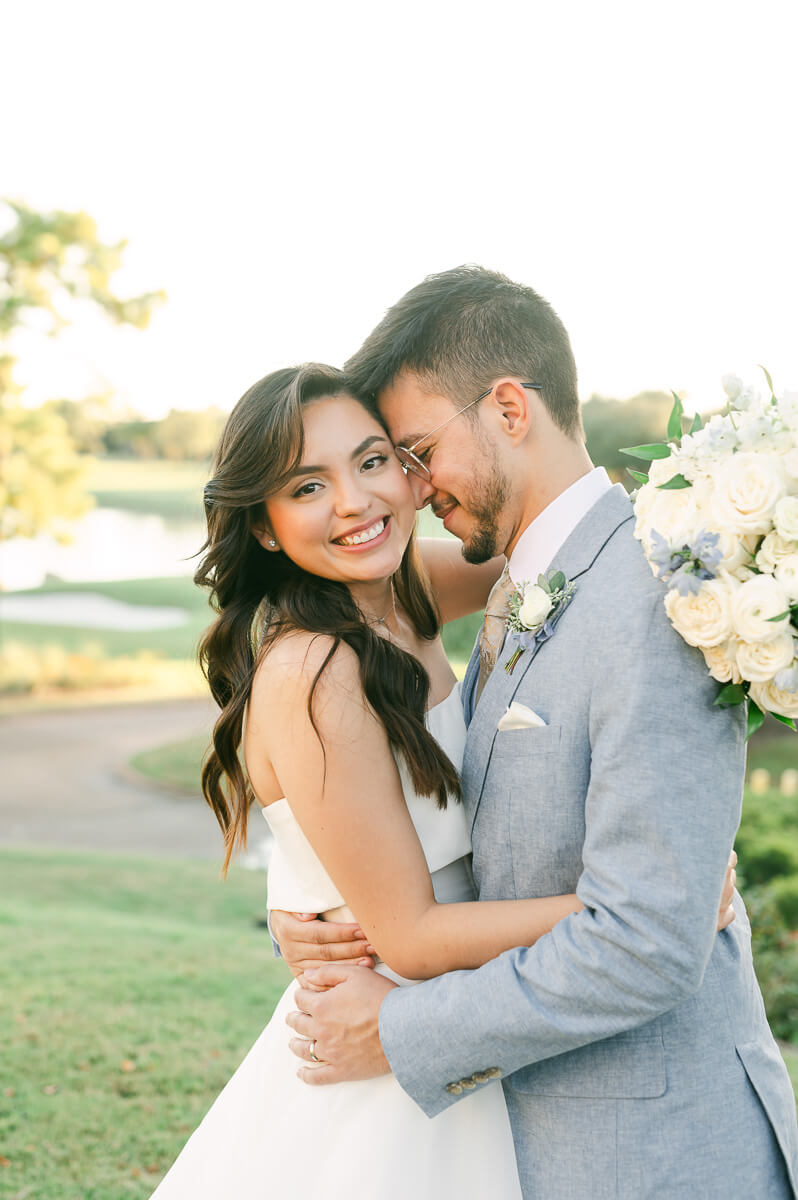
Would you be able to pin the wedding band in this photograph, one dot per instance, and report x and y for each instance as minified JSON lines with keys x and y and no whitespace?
{"x":313,"y":1057}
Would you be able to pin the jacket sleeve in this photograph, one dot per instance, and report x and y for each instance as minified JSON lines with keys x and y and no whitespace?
{"x":661,"y":812}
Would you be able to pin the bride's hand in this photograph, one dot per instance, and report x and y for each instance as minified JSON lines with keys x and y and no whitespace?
{"x":306,"y":942}
{"x":726,"y":911}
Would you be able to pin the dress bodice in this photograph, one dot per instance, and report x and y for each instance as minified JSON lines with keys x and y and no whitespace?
{"x":298,"y":881}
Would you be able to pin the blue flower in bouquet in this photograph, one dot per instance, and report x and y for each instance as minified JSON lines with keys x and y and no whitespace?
{"x":787,"y":680}
{"x":686,"y":567}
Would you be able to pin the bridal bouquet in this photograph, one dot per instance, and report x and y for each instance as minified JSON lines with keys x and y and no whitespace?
{"x":718,"y":519}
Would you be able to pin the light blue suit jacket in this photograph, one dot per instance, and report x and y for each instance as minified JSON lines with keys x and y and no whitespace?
{"x":632,"y":1040}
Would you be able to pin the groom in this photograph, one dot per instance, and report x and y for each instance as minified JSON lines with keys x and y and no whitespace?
{"x":632,"y":1041}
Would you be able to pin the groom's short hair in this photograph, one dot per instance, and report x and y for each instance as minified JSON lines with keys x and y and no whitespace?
{"x":460,"y":330}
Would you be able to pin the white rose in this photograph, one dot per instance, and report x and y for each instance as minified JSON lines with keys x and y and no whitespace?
{"x":735,"y":551}
{"x":732,"y":385}
{"x":759,"y":661}
{"x":786,"y":574}
{"x":743,"y":573}
{"x":774,"y":549}
{"x":785,"y":518}
{"x":672,"y":514}
{"x":535,"y":607}
{"x":747,"y":489}
{"x":703,"y":618}
{"x":754,"y":603}
{"x":721,"y":663}
{"x":774,"y":699}
{"x":660,"y":470}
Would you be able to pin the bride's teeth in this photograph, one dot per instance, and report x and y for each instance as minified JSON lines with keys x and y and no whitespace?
{"x":366,"y":535}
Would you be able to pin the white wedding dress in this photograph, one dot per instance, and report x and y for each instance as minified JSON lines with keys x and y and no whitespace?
{"x":269,"y":1135}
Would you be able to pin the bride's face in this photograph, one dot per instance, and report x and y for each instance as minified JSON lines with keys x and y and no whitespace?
{"x":348,"y":512}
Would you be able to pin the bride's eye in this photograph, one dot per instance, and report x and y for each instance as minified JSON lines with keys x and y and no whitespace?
{"x":374,"y":460}
{"x":306,"y":489}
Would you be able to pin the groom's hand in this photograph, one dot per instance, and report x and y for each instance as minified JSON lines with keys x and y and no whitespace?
{"x":338,"y":1021}
{"x":306,"y":942}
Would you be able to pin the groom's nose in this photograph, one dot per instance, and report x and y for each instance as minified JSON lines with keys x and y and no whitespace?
{"x":422,"y":490}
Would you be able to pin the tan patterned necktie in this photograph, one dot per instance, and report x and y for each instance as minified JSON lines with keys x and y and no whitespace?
{"x":494,"y":627}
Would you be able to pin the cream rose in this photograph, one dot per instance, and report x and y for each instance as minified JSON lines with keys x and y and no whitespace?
{"x":703,"y":618}
{"x":786,"y":574}
{"x":785,"y":518}
{"x":760,"y":661}
{"x":774,"y":699}
{"x":773,"y":550}
{"x":721,"y":663}
{"x":754,"y":603}
{"x":673,"y":515}
{"x":747,"y":489}
{"x":535,"y":607}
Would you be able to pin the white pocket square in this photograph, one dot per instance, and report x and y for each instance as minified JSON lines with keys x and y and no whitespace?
{"x":518,"y":716}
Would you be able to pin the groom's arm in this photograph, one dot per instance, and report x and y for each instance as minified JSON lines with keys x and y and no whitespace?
{"x":665,"y":788}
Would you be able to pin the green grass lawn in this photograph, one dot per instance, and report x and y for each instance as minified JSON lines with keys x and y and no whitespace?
{"x":172,"y":489}
{"x":131,"y":989}
{"x":179,"y":643}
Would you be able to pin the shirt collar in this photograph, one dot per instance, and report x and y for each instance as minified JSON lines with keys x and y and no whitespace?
{"x":540,"y":541}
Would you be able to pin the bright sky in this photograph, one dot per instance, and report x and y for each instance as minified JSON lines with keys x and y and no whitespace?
{"x":285,"y":172}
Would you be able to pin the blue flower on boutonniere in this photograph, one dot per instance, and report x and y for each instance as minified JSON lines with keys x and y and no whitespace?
{"x":534,"y":610}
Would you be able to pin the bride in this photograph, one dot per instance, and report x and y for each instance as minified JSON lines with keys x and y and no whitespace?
{"x":327,"y":664}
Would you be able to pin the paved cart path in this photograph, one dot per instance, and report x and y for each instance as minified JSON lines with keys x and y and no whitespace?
{"x":65,"y":782}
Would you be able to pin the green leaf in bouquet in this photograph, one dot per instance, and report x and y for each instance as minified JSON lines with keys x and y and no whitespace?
{"x":766,"y":373}
{"x":544,"y":583}
{"x":649,"y":453}
{"x":755,"y":718}
{"x":557,"y":581}
{"x":781,"y":616}
{"x":788,"y":721}
{"x":637,"y":475}
{"x":729,"y":695}
{"x":675,"y":419}
{"x":697,"y":423}
{"x":675,"y":484}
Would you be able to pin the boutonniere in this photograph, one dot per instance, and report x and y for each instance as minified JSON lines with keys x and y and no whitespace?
{"x":534,"y":610}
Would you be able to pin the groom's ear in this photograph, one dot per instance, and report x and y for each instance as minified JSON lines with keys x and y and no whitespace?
{"x":513,"y":407}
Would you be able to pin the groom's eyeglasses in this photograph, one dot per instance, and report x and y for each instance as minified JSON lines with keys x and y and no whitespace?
{"x":410,"y":460}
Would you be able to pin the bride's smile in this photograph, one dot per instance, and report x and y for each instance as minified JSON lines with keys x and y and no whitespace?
{"x":347,"y":511}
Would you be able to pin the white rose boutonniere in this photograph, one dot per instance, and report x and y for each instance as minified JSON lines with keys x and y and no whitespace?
{"x":534,"y":611}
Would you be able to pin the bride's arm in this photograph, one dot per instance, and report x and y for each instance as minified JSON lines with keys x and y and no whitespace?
{"x":343,"y":788}
{"x":459,"y":587}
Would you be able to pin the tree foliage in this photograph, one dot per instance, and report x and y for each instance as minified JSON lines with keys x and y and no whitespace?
{"x":613,"y":423}
{"x":51,"y":264}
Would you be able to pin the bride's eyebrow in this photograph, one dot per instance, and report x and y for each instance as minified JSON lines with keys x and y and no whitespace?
{"x":318,"y":469}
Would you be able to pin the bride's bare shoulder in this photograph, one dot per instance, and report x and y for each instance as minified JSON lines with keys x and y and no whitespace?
{"x":297,"y":660}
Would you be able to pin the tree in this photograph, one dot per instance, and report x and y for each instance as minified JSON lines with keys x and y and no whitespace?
{"x":610,"y":424}
{"x":50,"y":265}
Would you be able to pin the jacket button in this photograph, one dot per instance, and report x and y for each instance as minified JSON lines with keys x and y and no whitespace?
{"x":454,"y":1089}
{"x":468,"y":1084}
{"x":480,"y":1077}
{"x":493,"y":1072}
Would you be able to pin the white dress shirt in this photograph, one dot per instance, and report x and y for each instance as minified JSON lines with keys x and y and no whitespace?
{"x":540,"y":541}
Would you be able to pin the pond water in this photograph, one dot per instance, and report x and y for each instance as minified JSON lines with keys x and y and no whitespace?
{"x":89,"y":610}
{"x":107,"y":543}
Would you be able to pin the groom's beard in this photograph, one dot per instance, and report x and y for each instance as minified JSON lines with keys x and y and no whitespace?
{"x":486,"y":506}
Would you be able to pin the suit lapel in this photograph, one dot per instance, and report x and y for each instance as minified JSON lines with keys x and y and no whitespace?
{"x":574,"y":558}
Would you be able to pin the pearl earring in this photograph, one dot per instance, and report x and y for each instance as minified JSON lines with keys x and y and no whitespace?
{"x":272,"y":543}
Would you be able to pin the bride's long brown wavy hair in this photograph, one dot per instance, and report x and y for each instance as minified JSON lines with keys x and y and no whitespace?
{"x":260,"y":595}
